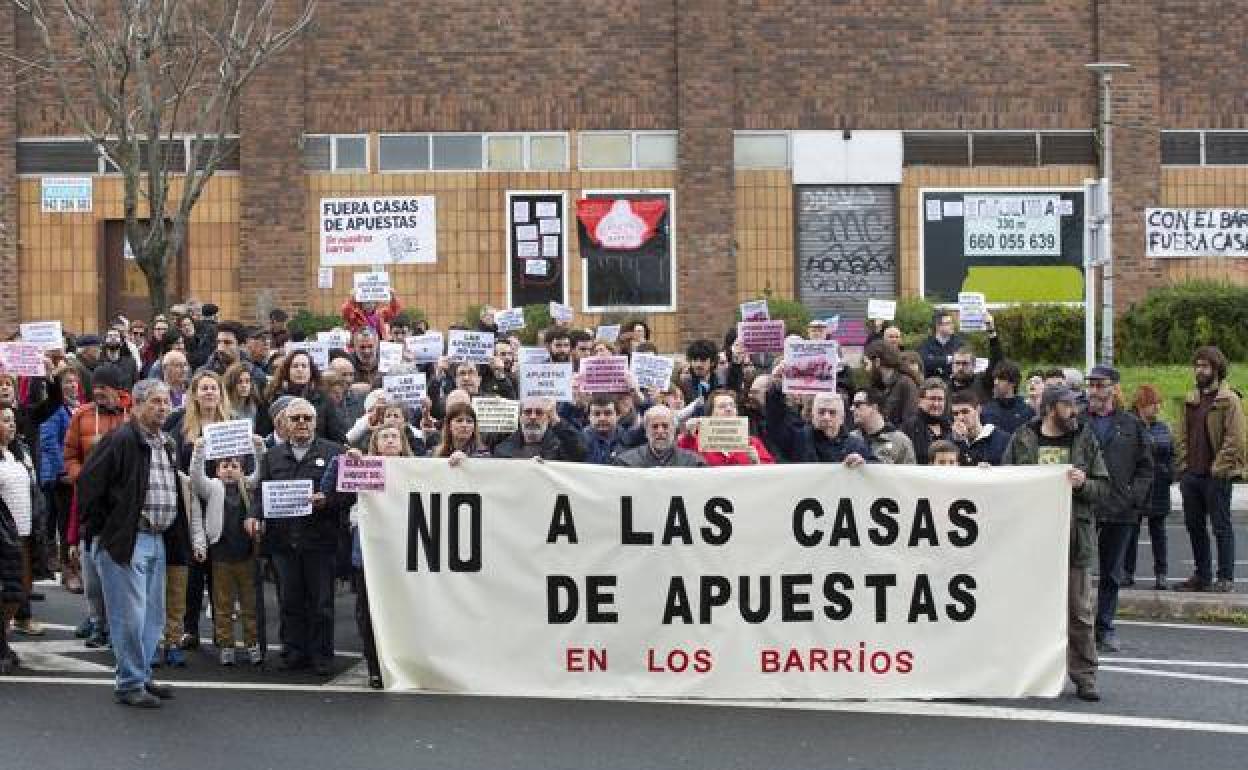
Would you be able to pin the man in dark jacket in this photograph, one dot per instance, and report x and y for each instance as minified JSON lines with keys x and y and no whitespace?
{"x":660,"y":450}
{"x":1128,"y":453}
{"x":977,"y":444}
{"x":1057,"y":437}
{"x":931,"y":422}
{"x":824,"y":439}
{"x":963,"y":375}
{"x":937,"y":350}
{"x":542,"y":434}
{"x":303,"y":547}
{"x":130,"y":498}
{"x":1006,"y":409}
{"x":892,"y":387}
{"x":605,"y":436}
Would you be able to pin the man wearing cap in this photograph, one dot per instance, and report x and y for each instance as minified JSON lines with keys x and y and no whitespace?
{"x":817,"y":330}
{"x":129,"y":499}
{"x":85,"y":358}
{"x":1127,"y":450}
{"x":1057,"y":437}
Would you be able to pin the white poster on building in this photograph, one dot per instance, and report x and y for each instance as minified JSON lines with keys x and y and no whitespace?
{"x":384,"y":230}
{"x":1178,"y":233}
{"x":782,"y":581}
{"x":1012,"y":225}
{"x":65,"y":194}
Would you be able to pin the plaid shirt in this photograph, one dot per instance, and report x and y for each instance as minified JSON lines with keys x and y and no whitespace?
{"x":161,"y":506}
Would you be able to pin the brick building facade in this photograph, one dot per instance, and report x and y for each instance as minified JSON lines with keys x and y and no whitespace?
{"x":712,"y":72}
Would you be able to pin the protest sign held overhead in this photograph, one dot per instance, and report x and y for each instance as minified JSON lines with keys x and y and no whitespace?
{"x":761,"y":336}
{"x":560,"y":312}
{"x":881,"y":309}
{"x":652,"y":371}
{"x":389,"y":356}
{"x":510,"y":319}
{"x":372,"y":287}
{"x":400,"y":229}
{"x":609,"y":333}
{"x":786,"y":584}
{"x":336,"y":339}
{"x":425,"y":348}
{"x":755,"y":310}
{"x":547,"y":381}
{"x":48,"y":335}
{"x":810,"y":366}
{"x":533,"y":356}
{"x":472,"y":347}
{"x":407,"y":389}
{"x":232,"y":438}
{"x":287,"y":499}
{"x":604,"y":374}
{"x":23,"y":359}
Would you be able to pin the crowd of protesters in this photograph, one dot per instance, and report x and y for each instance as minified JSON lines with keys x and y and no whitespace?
{"x":103,"y":476}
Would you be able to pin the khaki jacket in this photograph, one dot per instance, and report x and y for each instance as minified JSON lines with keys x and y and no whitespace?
{"x":1226,"y":428}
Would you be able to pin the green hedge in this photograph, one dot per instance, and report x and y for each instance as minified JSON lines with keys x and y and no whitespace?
{"x":310,"y":323}
{"x":1172,"y":322}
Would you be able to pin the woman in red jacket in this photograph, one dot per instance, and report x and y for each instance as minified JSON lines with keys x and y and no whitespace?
{"x":723,"y":403}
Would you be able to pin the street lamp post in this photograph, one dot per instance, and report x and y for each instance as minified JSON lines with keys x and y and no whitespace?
{"x":1105,"y":73}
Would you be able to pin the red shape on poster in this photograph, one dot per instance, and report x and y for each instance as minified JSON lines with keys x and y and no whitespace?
{"x":620,"y":224}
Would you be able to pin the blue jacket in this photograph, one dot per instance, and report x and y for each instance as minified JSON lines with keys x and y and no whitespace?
{"x":988,"y":448}
{"x":1007,"y":414}
{"x":52,"y":445}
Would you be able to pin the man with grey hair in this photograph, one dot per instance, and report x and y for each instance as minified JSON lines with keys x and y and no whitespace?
{"x":303,"y":547}
{"x":129,"y":496}
{"x":542,"y":434}
{"x":660,"y":450}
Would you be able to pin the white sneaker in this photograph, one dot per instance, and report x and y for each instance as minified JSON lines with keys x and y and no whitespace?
{"x":227,"y":656}
{"x":255,"y":655}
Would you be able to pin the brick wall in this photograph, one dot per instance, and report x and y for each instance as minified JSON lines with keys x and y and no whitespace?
{"x":9,"y":309}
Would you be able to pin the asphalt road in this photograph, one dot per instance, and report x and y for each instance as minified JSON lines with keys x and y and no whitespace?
{"x":1175,"y":697}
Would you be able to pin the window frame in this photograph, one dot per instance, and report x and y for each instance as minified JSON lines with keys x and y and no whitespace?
{"x":788,"y":149}
{"x":672,"y":251}
{"x":333,"y":154}
{"x":381,"y":169}
{"x":102,"y":163}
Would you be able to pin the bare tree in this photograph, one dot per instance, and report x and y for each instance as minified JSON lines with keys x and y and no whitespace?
{"x":155,"y":69}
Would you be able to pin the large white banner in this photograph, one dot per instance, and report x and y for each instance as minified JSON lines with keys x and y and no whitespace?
{"x":383,"y":230}
{"x":512,"y":577}
{"x":1196,"y":232}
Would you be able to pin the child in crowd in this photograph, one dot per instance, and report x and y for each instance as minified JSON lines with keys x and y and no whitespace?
{"x":942,"y":453}
{"x":217,"y":527}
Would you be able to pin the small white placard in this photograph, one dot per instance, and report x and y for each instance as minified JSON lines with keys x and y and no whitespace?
{"x":232,"y":438}
{"x":287,"y":499}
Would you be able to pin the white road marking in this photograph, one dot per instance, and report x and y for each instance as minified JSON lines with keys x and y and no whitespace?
{"x":1162,"y":662}
{"x":1176,"y":675}
{"x":51,"y":656}
{"x":901,"y":708}
{"x":1183,"y":626}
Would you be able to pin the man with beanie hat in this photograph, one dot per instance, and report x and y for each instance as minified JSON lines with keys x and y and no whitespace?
{"x":85,"y":358}
{"x":1057,"y":437}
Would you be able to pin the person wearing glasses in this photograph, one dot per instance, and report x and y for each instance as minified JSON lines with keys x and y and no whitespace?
{"x":542,"y":434}
{"x":303,"y":547}
{"x":888,"y":444}
{"x":1128,"y":451}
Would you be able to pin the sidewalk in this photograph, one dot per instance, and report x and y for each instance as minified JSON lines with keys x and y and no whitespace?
{"x":1173,"y":605}
{"x":1239,"y":501}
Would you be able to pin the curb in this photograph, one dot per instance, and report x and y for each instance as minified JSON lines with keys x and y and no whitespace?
{"x":1173,"y":605}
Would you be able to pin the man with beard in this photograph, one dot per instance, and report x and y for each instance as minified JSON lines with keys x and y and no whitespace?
{"x":1057,"y":437}
{"x":930,"y":423}
{"x":700,"y":377}
{"x":365,"y":359}
{"x":118,"y":354}
{"x":542,"y":434}
{"x":895,"y":391}
{"x":1209,"y":455}
{"x":257,"y":348}
{"x":505,"y":356}
{"x":888,"y":444}
{"x":1128,"y":453}
{"x":559,"y":344}
{"x":604,"y":436}
{"x":977,"y":443}
{"x":938,"y":349}
{"x":660,"y":450}
{"x":1006,"y":409}
{"x":229,"y":350}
